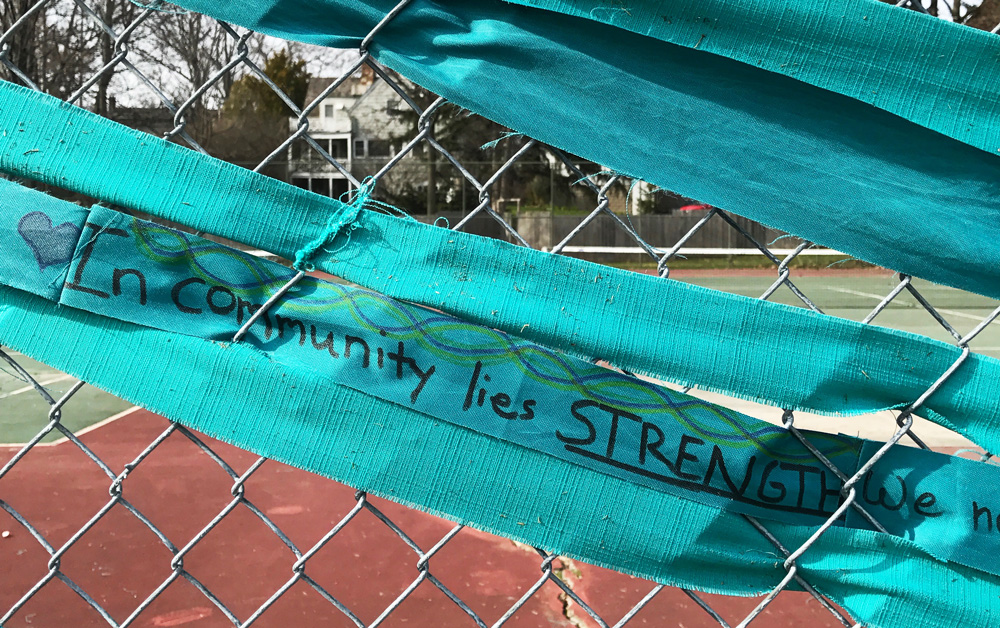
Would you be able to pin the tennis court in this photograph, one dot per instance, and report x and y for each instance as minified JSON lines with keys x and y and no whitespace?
{"x":24,"y":408}
{"x":635,"y":135}
{"x":853,"y":294}
{"x":180,"y":488}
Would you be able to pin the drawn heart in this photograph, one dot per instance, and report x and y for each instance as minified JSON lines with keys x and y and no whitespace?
{"x":51,"y":245}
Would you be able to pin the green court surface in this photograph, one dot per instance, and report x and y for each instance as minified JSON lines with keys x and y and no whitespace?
{"x":850,"y":294}
{"x":854,"y":294}
{"x":23,"y":412}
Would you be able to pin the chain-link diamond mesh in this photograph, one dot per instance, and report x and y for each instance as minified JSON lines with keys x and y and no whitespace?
{"x":117,"y":59}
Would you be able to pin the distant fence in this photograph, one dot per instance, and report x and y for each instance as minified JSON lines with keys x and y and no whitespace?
{"x":543,"y":230}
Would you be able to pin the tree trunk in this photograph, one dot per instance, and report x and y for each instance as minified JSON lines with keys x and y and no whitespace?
{"x":986,"y":16}
{"x":107,"y":46}
{"x":431,"y":176}
{"x":23,"y":51}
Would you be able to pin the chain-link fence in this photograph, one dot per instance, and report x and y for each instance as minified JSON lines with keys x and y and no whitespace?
{"x":192,"y":492}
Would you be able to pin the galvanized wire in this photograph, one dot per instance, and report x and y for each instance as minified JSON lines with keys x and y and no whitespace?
{"x":550,"y":566}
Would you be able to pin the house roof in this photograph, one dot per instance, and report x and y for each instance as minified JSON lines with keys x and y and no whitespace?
{"x":154,"y":120}
{"x":354,"y":86}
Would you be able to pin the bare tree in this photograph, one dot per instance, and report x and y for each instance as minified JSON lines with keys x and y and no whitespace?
{"x":111,"y":12}
{"x":986,"y":16}
{"x":54,"y":45}
{"x":981,"y":14}
{"x":185,"y":52}
{"x":19,"y":47}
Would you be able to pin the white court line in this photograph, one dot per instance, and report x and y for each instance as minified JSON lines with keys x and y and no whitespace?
{"x":44,"y":382}
{"x":625,"y":250}
{"x":978,"y":319}
{"x":88,"y":429}
{"x":856,"y":293}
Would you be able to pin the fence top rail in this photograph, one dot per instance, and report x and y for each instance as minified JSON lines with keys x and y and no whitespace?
{"x":635,"y":250}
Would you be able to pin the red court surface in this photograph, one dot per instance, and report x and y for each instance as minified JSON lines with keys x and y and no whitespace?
{"x":366,"y":566}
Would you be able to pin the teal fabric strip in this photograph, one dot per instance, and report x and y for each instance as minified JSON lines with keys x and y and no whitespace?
{"x":475,"y":378}
{"x":468,"y":375}
{"x":932,"y":497}
{"x":472,"y":478}
{"x":207,"y":194}
{"x":284,"y":412}
{"x":26,"y":222}
{"x":930,"y":71}
{"x":691,"y":336}
{"x":833,"y":170}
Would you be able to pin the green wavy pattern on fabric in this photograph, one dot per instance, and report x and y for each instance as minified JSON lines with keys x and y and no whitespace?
{"x":464,"y":344}
{"x":168,"y":246}
{"x":691,"y":335}
{"x":464,"y":476}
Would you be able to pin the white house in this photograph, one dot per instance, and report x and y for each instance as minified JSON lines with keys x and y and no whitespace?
{"x":359,"y":124}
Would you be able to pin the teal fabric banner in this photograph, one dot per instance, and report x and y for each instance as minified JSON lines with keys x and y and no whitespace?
{"x":476,"y":378}
{"x":908,"y":494}
{"x":692,"y":336}
{"x":471,"y":376}
{"x":291,"y":411}
{"x":930,"y":71}
{"x":834,"y":170}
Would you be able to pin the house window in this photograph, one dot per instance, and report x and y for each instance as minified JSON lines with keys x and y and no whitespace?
{"x":300,"y":150}
{"x":359,"y":149}
{"x":392,"y":107}
{"x":328,"y":111}
{"x":379,"y":148}
{"x":338,"y":148}
{"x":321,"y":186}
{"x":335,"y":188}
{"x":339,"y":187}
